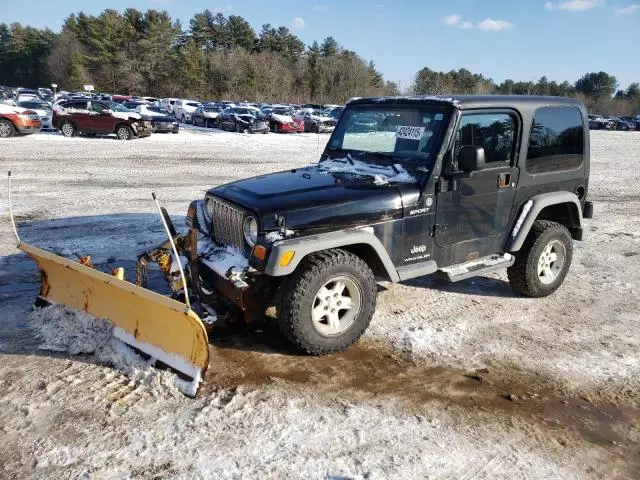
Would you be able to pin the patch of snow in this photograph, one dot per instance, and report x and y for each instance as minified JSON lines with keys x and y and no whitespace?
{"x":221,"y":259}
{"x":382,"y":174}
{"x":282,"y":118}
{"x":277,"y":235}
{"x":65,"y":330}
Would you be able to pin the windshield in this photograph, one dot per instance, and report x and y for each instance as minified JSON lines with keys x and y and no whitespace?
{"x":116,"y":107}
{"x":245,"y":111}
{"x":212,"y":109}
{"x":192,"y":104}
{"x":283,"y":111}
{"x":35,"y":105}
{"x":413,"y":133}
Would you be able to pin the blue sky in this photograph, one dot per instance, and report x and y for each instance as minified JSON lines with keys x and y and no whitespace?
{"x":518,"y":39}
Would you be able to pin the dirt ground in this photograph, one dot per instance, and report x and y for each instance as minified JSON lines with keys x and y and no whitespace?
{"x":464,"y":380}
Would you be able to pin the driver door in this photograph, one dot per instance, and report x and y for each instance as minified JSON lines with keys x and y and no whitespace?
{"x":101,"y":118}
{"x":473,"y":214}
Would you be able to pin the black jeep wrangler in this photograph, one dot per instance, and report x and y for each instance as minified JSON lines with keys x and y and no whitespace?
{"x":406,"y":186}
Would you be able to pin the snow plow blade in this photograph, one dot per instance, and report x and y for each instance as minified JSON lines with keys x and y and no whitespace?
{"x":160,"y":327}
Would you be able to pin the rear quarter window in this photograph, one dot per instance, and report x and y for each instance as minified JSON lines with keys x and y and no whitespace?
{"x":556,"y":142}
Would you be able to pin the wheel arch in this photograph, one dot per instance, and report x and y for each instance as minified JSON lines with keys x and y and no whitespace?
{"x":360,"y":242}
{"x":560,"y":207}
{"x":123,"y":124}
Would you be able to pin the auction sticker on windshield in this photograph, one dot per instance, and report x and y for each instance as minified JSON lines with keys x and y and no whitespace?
{"x":409,"y":133}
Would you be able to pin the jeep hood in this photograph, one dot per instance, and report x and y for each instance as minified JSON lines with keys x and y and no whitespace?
{"x":320,"y":197}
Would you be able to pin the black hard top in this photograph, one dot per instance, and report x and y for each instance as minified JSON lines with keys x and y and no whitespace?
{"x":469,"y":101}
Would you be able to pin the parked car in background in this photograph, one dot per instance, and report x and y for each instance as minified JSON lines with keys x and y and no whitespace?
{"x":17,"y":120}
{"x":621,"y":124}
{"x":46,"y":94}
{"x":96,"y":117}
{"x":242,"y":119}
{"x":161,"y":122}
{"x":133,"y":104}
{"x":42,"y":108}
{"x":168,"y":104}
{"x":285,"y":120}
{"x":334,"y":112}
{"x":597,"y":122}
{"x":184,"y":109}
{"x":120,"y":98}
{"x":207,"y":115}
{"x":633,"y":121}
{"x":316,"y":121}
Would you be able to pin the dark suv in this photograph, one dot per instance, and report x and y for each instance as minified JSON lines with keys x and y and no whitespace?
{"x":95,"y":117}
{"x":406,"y":187}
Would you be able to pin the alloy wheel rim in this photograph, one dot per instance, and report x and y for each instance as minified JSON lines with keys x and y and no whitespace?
{"x":67,"y":129}
{"x":5,"y":130}
{"x":336,"y":306}
{"x":551,"y":262}
{"x":123,"y":133}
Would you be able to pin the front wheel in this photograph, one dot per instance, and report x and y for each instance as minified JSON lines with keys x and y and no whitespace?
{"x":6,"y":129}
{"x":123,"y":132}
{"x":544,"y":260}
{"x":328,"y":303}
{"x":68,"y":129}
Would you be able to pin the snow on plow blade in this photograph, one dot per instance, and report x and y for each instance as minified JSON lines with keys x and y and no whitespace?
{"x":160,"y":327}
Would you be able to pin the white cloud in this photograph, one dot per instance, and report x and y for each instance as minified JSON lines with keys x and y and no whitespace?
{"x":487,"y":24}
{"x":574,"y":5}
{"x":451,"y":20}
{"x":494,"y":25}
{"x":628,"y":10}
{"x":319,"y":8}
{"x":297,"y":22}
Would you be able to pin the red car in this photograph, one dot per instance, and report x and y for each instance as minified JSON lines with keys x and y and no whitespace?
{"x":17,"y":120}
{"x":285,"y":120}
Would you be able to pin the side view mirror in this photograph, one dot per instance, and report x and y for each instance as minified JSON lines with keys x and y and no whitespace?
{"x":471,"y":158}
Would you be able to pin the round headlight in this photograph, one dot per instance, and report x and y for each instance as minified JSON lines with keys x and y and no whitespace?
{"x":208,"y":209}
{"x":250,"y":228}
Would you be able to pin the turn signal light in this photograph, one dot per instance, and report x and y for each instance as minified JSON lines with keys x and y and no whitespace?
{"x":260,"y":252}
{"x":286,"y":258}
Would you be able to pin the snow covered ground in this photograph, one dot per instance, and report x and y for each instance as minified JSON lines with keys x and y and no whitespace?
{"x":465,"y":380}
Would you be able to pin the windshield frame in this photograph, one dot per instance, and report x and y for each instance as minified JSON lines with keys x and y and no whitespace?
{"x":373,"y":155}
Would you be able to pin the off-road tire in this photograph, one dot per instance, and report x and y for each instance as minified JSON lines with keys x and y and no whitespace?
{"x":68,"y":129}
{"x":120,"y":132}
{"x":299,"y":293}
{"x":6,"y":129}
{"x":523,"y":274}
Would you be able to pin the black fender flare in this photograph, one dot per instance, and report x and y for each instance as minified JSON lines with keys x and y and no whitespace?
{"x":304,"y":246}
{"x":531,"y":210}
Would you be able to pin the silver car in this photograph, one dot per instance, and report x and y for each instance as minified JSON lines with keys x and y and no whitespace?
{"x":42,"y":108}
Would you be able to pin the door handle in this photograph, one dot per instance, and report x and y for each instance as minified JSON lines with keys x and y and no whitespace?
{"x":504,"y":180}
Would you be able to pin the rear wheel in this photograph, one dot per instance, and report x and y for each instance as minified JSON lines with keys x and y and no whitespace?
{"x":328,"y":303}
{"x":6,"y":128}
{"x":239,"y":129}
{"x":123,"y":132}
{"x":68,"y":129}
{"x":544,"y":260}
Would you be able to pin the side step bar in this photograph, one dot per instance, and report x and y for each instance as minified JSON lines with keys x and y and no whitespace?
{"x":474,"y":268}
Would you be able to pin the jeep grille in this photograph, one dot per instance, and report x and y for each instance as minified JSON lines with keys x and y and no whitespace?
{"x":227,"y":224}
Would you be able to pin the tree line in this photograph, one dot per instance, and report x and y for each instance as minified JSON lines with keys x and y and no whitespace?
{"x":598,"y":90}
{"x":215,"y":57}
{"x":220,"y":57}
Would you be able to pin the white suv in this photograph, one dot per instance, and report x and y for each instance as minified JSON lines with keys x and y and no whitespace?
{"x":183,"y":109}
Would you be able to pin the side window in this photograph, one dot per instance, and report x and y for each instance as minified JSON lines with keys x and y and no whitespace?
{"x":495,"y":132}
{"x":78,"y":105}
{"x":556,"y":142}
{"x":98,"y":107}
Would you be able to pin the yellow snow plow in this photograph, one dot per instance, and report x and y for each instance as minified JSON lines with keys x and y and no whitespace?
{"x":165,"y":329}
